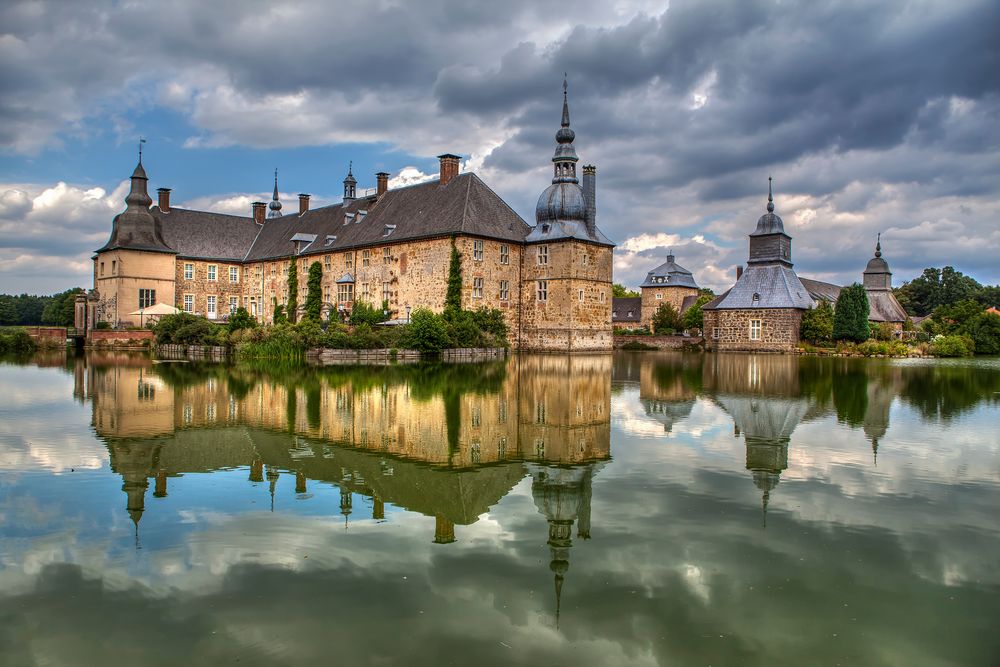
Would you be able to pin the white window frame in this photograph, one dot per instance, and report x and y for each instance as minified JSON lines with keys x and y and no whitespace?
{"x":505,"y":290}
{"x":345,"y":292}
{"x":234,"y":274}
{"x":386,"y":290}
{"x":150,"y":295}
{"x":213,"y":273}
{"x":387,"y":255}
{"x":715,"y":333}
{"x":326,"y":262}
{"x":349,"y":260}
{"x":188,"y":303}
{"x":580,"y":295}
{"x":477,"y":288}
{"x":366,"y":257}
{"x":188,"y":271}
{"x":659,"y":296}
{"x":211,"y":306}
{"x":755,"y":329}
{"x":504,"y":254}
{"x":543,"y":255}
{"x":542,"y":290}
{"x":234,"y":304}
{"x":478,"y":250}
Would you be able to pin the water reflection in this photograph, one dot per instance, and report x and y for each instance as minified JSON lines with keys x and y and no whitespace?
{"x":742,"y":511}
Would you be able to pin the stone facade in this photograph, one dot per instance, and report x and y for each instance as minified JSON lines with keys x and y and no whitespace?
{"x":208,"y":288}
{"x":654,"y":297}
{"x":120,"y":274}
{"x":777,"y":331}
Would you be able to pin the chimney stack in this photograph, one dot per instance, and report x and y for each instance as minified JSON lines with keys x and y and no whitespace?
{"x":590,"y":198}
{"x":381,"y":183}
{"x":449,"y":167}
{"x":164,"y":197}
{"x":739,"y":271}
{"x":303,"y":203}
{"x":259,"y":211}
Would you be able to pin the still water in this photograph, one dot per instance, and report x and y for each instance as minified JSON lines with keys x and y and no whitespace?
{"x":634,"y":509}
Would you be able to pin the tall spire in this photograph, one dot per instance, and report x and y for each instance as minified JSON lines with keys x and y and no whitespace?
{"x":275,"y":204}
{"x":350,"y":183}
{"x":565,"y":158}
{"x":565,"y":115}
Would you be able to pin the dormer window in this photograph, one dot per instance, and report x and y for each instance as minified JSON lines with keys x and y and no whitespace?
{"x":545,"y":228}
{"x":361,"y":214}
{"x":388,"y":229}
{"x":756,"y":296}
{"x":330,"y":239}
{"x":348,"y":218}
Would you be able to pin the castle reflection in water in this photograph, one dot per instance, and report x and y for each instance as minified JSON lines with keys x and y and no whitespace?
{"x":450,"y":441}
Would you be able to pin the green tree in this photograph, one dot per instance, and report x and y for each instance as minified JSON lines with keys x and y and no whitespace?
{"x":693,"y":317}
{"x":453,"y":297}
{"x":8,"y":311}
{"x":60,"y":309}
{"x":817,"y":323}
{"x":427,"y":331}
{"x":936,"y":287}
{"x":850,"y":317}
{"x":293,"y":290}
{"x":666,"y":320}
{"x":364,"y":313}
{"x":314,"y":295}
{"x":241,"y":319}
{"x":984,"y":330}
{"x":279,"y":314}
{"x":620,"y":291}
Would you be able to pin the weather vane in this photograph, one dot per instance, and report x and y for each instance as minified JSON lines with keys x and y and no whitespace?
{"x":142,"y":140}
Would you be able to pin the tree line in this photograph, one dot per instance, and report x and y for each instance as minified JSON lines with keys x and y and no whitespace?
{"x":29,"y":309}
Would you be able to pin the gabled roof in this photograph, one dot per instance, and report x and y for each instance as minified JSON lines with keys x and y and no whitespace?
{"x":206,"y":235}
{"x":883,"y":307}
{"x":465,"y":205}
{"x":764,"y":286}
{"x":819,"y":290}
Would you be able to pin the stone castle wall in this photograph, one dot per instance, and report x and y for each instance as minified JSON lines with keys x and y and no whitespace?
{"x":730,"y":329}
{"x":668,"y":294}
{"x":120,"y":274}
{"x":201,"y":286}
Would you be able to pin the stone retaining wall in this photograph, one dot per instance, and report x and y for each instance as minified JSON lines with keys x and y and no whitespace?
{"x":380,"y":357}
{"x":193,"y":352}
{"x":464,"y":354}
{"x":126,"y":338}
{"x":659,"y":342}
{"x":47,"y":333}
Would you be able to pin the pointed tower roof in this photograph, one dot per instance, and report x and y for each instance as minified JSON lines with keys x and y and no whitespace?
{"x":136,"y":228}
{"x":275,"y":205}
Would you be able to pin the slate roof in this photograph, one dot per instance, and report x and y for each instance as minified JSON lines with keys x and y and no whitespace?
{"x":820,"y":290}
{"x":669,"y":274}
{"x":562,"y":229}
{"x":775,"y":286}
{"x":621,"y":306}
{"x":883,"y":307}
{"x":465,"y":205}
{"x":205,"y":235}
{"x":689,"y":301}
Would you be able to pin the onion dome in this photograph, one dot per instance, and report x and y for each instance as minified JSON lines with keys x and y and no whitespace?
{"x":275,"y":204}
{"x":769,"y":223}
{"x":135,"y":227}
{"x":563,"y":201}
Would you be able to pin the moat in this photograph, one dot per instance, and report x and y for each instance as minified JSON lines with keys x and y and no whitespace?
{"x":625,"y":509}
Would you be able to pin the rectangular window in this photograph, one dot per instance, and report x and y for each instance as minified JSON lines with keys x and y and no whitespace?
{"x":581,"y":295}
{"x":585,"y":259}
{"x":505,"y":254}
{"x":326,"y":262}
{"x":386,"y":255}
{"x":715,"y":333}
{"x":385,"y":291}
{"x":102,"y":268}
{"x":189,"y":272}
{"x":477,"y":288}
{"x":147,"y":297}
{"x":366,"y":257}
{"x":349,"y":260}
{"x":543,"y":290}
{"x":211,"y":306}
{"x":477,"y":251}
{"x":345,"y":292}
{"x":603,"y":297}
{"x":659,"y":296}
{"x":234,"y":304}
{"x":234,"y":274}
{"x":754,"y":329}
{"x":114,"y":266}
{"x":211,"y":272}
{"x":505,"y":290}
{"x":189,"y":303}
{"x":543,"y":255}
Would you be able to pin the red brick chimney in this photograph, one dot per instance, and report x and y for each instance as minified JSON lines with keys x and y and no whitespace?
{"x":259,"y":211}
{"x":164,"y":197}
{"x":449,"y":167}
{"x":381,"y":183}
{"x":303,"y":203}
{"x":739,"y":272}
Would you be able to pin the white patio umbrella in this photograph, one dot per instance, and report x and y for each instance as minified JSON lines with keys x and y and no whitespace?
{"x":156,"y":309}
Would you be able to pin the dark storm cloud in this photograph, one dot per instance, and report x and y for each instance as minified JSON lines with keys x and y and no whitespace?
{"x":685,"y":110}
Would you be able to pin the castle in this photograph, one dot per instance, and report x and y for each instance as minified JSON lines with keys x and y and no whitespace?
{"x":552,"y":281}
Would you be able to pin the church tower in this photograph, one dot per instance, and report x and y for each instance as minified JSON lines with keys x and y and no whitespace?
{"x":567,"y":262}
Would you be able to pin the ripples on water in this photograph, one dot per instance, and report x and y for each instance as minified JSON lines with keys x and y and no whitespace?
{"x":635,"y":509}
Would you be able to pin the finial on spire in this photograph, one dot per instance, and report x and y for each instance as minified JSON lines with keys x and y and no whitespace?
{"x":770,"y":196}
{"x":275,"y":205}
{"x":565,"y":114}
{"x":142,"y":140}
{"x":878,"y":245}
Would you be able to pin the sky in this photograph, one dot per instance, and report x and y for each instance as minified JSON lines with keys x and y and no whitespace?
{"x":871,"y":117}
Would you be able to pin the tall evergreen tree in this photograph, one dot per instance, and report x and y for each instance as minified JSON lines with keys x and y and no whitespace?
{"x":850,"y":316}
{"x":293,"y":290}
{"x":453,"y":297}
{"x":314,"y":296}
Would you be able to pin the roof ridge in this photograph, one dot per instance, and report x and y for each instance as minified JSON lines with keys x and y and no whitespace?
{"x":465,"y":208}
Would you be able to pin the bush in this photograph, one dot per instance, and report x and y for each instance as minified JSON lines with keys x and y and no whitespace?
{"x":188,"y":329}
{"x":817,"y":324}
{"x":638,"y":345}
{"x":850,"y":317}
{"x":952,"y":346}
{"x":103,"y":325}
{"x":883,"y":331}
{"x":16,"y":341}
{"x":872,"y":348}
{"x":426,"y":331}
{"x":666,"y":320}
{"x":363,"y":313}
{"x":241,"y":319}
{"x":984,"y":329}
